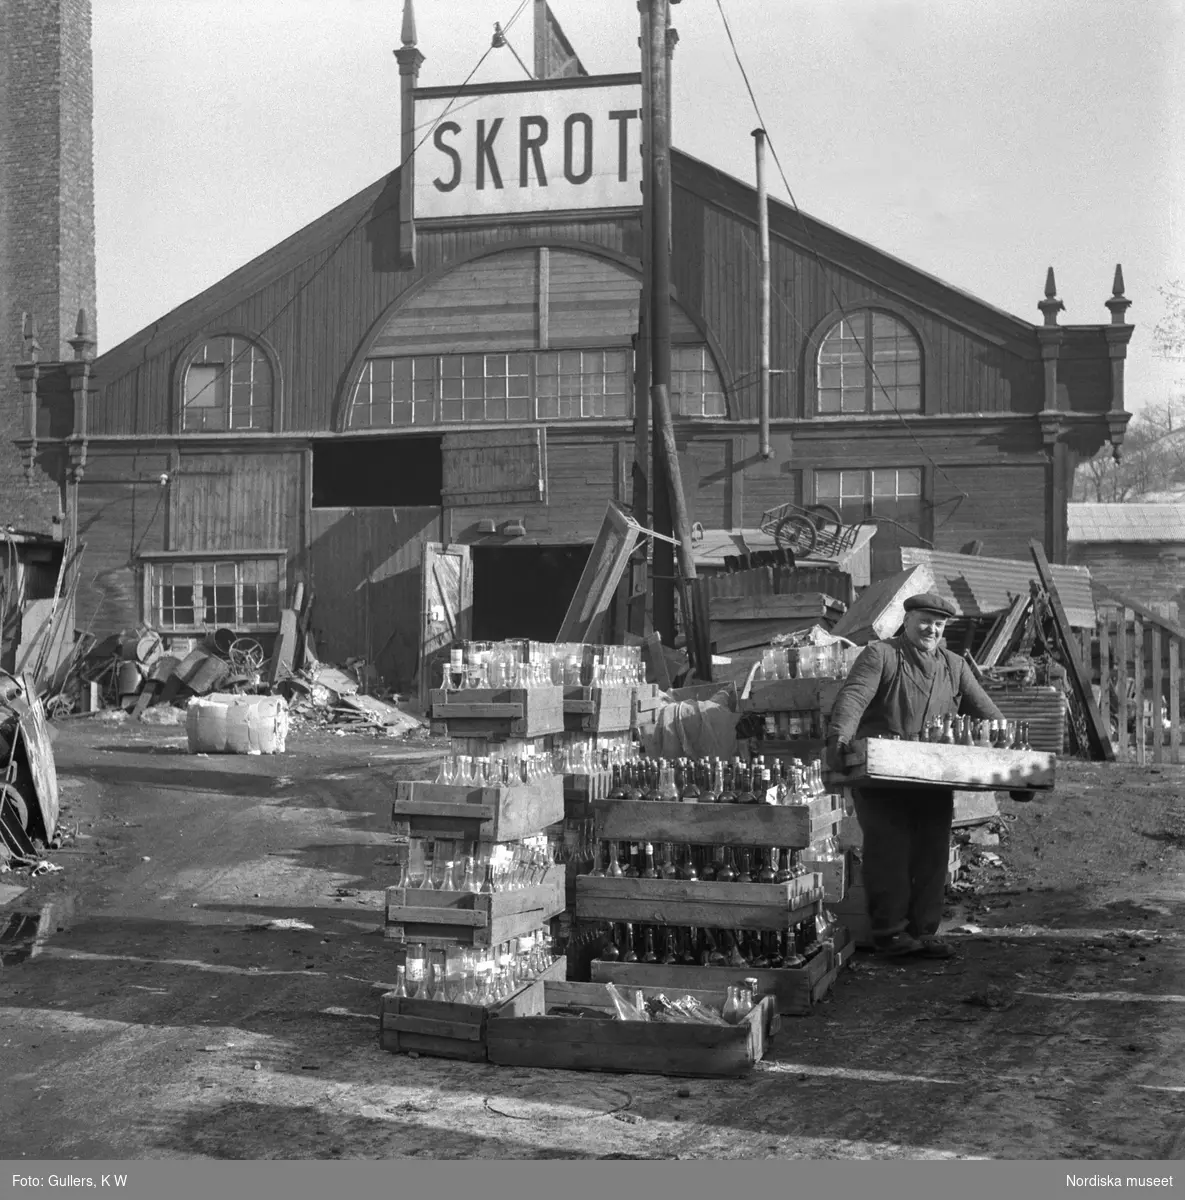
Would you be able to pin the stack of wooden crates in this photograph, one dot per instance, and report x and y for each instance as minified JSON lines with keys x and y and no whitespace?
{"x":508,"y":721}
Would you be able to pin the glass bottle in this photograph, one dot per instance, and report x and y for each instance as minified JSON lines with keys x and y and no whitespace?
{"x":728,"y":790}
{"x":707,"y":864}
{"x":731,"y":1005}
{"x":611,"y":952}
{"x":436,"y":977}
{"x":735,"y":956}
{"x":767,"y":793}
{"x":668,"y":792}
{"x":767,"y":872}
{"x":687,"y":870}
{"x":416,"y":968}
{"x":617,"y":791}
{"x":614,"y":870}
{"x":784,"y":873}
{"x":746,"y":794}
{"x":747,"y":997}
{"x":690,"y":792}
{"x":726,"y":872}
{"x":628,"y":953}
{"x":400,"y":981}
{"x":669,"y":954}
{"x":744,"y":868}
{"x":649,"y":954}
{"x":670,"y":869}
{"x":711,"y":955}
{"x":690,"y":951}
{"x":648,"y":869}
{"x":948,"y":730}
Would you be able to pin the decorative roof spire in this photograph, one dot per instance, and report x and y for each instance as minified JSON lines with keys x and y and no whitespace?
{"x":408,"y":36}
{"x":1051,"y":305}
{"x":1119,"y":303}
{"x":82,"y":342}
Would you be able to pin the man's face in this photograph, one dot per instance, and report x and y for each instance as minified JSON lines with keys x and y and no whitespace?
{"x":924,"y":629}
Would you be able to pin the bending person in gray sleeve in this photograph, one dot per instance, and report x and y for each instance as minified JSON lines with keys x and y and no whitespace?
{"x":894,"y":688}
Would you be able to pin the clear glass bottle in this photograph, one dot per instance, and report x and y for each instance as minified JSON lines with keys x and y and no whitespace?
{"x":731,"y":1005}
{"x":400,"y":988}
{"x":416,"y":970}
{"x":649,"y":871}
{"x":628,"y":953}
{"x":614,"y":870}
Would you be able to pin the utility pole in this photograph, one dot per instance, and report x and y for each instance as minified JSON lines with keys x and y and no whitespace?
{"x":669,"y":510}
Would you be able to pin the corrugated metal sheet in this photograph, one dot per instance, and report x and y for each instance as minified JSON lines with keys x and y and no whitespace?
{"x":1045,"y":710}
{"x":985,"y":586}
{"x":1126,"y":522}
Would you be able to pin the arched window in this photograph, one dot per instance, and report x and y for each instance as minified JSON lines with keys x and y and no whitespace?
{"x":227,"y":387}
{"x":847,"y":384}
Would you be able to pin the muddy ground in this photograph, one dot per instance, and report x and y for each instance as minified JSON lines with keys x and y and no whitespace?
{"x":147,"y":1012}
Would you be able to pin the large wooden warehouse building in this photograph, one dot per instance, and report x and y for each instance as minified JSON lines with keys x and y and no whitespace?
{"x":450,"y":358}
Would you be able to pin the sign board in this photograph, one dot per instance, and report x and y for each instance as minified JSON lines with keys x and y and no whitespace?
{"x":535,"y":146}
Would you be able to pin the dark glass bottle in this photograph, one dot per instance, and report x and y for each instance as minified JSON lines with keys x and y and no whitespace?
{"x":767,"y":872}
{"x":629,"y":868}
{"x":728,"y":795}
{"x":648,"y":869}
{"x":670,"y":869}
{"x":611,"y":952}
{"x":734,"y":954}
{"x":744,"y":867}
{"x":628,"y":953}
{"x":687,"y":869}
{"x":648,"y":952}
{"x":711,"y":955}
{"x":689,"y":793}
{"x":784,"y":871}
{"x":632,"y":790}
{"x":690,"y":952}
{"x":726,"y":872}
{"x":669,"y":954}
{"x":776,"y":959}
{"x":617,"y":791}
{"x":746,"y":794}
{"x":707,"y":866}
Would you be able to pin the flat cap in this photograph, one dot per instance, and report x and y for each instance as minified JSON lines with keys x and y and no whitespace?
{"x":930,"y":602}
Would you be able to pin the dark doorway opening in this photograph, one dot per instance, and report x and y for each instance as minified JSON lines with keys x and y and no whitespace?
{"x":524,"y":591}
{"x":405,"y":472}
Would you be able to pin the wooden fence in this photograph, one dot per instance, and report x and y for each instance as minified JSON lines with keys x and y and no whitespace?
{"x":1135,"y":656}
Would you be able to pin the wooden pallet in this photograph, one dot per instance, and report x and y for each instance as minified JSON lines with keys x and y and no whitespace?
{"x":786,"y":826}
{"x":498,"y":712}
{"x":699,"y":904}
{"x":520,"y":1034}
{"x":794,"y":990}
{"x":598,"y":709}
{"x":486,"y":814}
{"x":441,"y":1029}
{"x":443,"y":919}
{"x":872,"y":761}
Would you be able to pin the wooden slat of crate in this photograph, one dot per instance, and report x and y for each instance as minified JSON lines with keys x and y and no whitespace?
{"x":778,"y":606}
{"x":645,"y":705}
{"x":499,"y":712}
{"x":520,"y":1034}
{"x":701,"y":904}
{"x":791,"y":695}
{"x":488,"y":814}
{"x":786,"y":826}
{"x":791,"y":988}
{"x":598,"y":709}
{"x":834,"y":873}
{"x":972,"y":768}
{"x":441,"y":919}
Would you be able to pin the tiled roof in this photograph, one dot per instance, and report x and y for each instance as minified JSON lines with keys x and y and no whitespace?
{"x":1126,"y":522}
{"x":986,"y":586}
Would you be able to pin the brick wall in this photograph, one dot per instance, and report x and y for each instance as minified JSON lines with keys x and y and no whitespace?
{"x":47,"y":234}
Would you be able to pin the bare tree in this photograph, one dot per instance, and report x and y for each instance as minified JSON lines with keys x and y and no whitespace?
{"x":1153,"y":459}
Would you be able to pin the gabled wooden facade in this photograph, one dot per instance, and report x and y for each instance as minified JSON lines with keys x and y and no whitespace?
{"x":213,"y":451}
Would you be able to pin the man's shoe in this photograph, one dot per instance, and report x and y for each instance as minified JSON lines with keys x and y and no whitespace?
{"x":934,"y":947}
{"x":897,"y":946}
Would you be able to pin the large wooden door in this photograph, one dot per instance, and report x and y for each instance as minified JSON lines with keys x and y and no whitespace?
{"x":446,"y":614}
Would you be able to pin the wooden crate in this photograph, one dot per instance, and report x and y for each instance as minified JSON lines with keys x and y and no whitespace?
{"x":441,"y":1029}
{"x":833,"y":872}
{"x":794,"y":990}
{"x":787,"y":826}
{"x":499,"y":712}
{"x":443,"y":919}
{"x":974,"y":768}
{"x":647,"y":698}
{"x":486,"y":814}
{"x":700,"y":904}
{"x":520,"y":1034}
{"x":598,"y":709}
{"x":791,"y":695}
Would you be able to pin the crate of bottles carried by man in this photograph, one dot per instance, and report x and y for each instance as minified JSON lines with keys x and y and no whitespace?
{"x":570,"y":1026}
{"x":496,"y":797}
{"x":473,"y":894}
{"x":442,"y":999}
{"x":959,"y":752}
{"x":796,"y":968}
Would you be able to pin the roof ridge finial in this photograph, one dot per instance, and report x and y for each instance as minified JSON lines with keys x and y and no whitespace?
{"x":1119,"y":303}
{"x":408,"y":36}
{"x":1051,"y":305}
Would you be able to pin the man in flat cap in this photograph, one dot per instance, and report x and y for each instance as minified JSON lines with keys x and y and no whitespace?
{"x":895,"y":688}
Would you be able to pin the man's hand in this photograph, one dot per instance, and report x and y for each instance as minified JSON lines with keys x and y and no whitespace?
{"x":834,"y":754}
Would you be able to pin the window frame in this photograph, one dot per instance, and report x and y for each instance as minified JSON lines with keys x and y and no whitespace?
{"x":227,"y":381}
{"x":203,"y":561}
{"x":576,"y":384}
{"x":867,"y":342}
{"x":924,"y":531}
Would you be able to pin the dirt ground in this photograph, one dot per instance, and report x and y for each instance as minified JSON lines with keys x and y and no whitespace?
{"x":148,"y":1012}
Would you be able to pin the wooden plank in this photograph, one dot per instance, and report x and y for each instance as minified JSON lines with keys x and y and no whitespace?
{"x":1122,"y":679}
{"x":879,"y":611}
{"x":973,"y":768}
{"x":284,"y":652}
{"x":411,"y":914}
{"x":1175,"y":698}
{"x":1098,"y":734}
{"x":500,"y":814}
{"x":1138,"y":683}
{"x":791,"y":695}
{"x":496,"y":466}
{"x":434,"y":1027}
{"x":1148,"y":615}
{"x":727,"y":636}
{"x":1001,"y":639}
{"x":1105,"y":635}
{"x":470,"y":711}
{"x":785,"y":826}
{"x":602,"y":572}
{"x":508,"y":712}
{"x":701,"y":904}
{"x":1157,"y":698}
{"x":774,"y":607}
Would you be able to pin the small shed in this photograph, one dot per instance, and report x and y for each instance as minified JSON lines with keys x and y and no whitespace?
{"x":1135,"y":549}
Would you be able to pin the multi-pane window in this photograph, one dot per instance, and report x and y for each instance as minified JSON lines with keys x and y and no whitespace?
{"x":228,"y":387}
{"x":207,"y":594}
{"x":696,"y":390}
{"x":531,"y":385}
{"x":892,"y":496}
{"x":869,"y":362}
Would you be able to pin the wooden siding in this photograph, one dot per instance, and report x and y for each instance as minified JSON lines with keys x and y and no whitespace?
{"x":706,"y":470}
{"x":315,"y":313}
{"x":350,"y":603}
{"x":122,"y":512}
{"x":1151,"y":572}
{"x":237,"y":501}
{"x":1004,"y":509}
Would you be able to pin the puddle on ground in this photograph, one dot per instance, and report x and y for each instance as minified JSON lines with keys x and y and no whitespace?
{"x":23,"y":932}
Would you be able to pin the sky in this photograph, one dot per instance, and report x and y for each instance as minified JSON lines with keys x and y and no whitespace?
{"x":981,"y":141}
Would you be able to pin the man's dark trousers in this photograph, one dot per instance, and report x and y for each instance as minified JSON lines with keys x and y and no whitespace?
{"x":906,"y":851}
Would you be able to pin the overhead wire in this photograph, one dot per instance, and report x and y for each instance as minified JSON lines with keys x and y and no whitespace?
{"x":961,"y":495}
